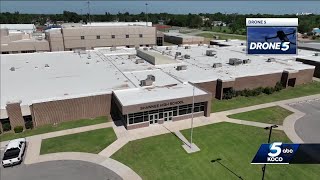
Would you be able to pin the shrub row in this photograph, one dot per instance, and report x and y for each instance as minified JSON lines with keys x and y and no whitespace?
{"x":252,"y":92}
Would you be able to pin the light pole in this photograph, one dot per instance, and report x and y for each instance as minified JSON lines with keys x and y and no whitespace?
{"x":191,"y":134}
{"x":147,"y":13}
{"x":270,"y":131}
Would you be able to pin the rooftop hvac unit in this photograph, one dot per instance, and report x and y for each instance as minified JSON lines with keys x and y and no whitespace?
{"x":187,"y":56}
{"x":235,"y":61}
{"x":227,"y":40}
{"x":246,"y":61}
{"x":179,"y":45}
{"x":317,"y":54}
{"x":146,"y":82}
{"x":210,"y":46}
{"x":169,"y":48}
{"x":216,"y":65}
{"x":243,"y":49}
{"x":216,"y":37}
{"x":182,"y":67}
{"x":211,"y":52}
{"x":151,"y":77}
{"x":138,"y":61}
{"x":271,"y":60}
{"x":113,"y":48}
{"x":242,"y":44}
{"x":145,"y":49}
{"x":178,"y":53}
{"x":131,"y":56}
{"x":200,"y":44}
{"x":12,"y":69}
{"x":46,"y":65}
{"x":187,"y":47}
{"x":39,"y":38}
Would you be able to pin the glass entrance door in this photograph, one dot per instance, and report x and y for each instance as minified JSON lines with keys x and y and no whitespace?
{"x":153,"y":118}
{"x":167,"y":116}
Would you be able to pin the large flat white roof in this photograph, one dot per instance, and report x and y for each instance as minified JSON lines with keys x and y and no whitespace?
{"x":68,"y":75}
{"x":72,"y":74}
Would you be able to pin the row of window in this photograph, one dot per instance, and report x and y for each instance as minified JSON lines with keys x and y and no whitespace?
{"x":176,"y":111}
{"x":112,"y":36}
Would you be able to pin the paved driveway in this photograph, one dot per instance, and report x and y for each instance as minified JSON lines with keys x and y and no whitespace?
{"x":308,"y":127}
{"x":58,"y":170}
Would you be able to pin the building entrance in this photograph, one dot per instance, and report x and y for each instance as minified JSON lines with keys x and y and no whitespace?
{"x":168,"y":115}
{"x":153,"y":118}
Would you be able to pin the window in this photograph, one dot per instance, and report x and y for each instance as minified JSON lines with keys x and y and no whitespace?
{"x":113,"y":36}
{"x":5,"y":52}
{"x":82,"y":37}
{"x":98,"y":37}
{"x":127,"y":36}
{"x":140,"y":35}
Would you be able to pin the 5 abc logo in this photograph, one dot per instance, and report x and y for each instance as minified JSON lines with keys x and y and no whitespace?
{"x":275,"y":150}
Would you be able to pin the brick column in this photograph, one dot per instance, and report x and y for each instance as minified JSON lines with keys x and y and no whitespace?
{"x":284,"y":78}
{"x":207,"y":108}
{"x":14,"y":114}
{"x":219,"y":89}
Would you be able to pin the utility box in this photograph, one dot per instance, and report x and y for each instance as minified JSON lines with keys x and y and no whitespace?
{"x":235,"y":61}
{"x":151,"y":77}
{"x":216,"y":65}
{"x":211,"y":52}
{"x":139,"y":61}
{"x":182,"y":67}
{"x":187,"y":56}
{"x":271,"y":60}
{"x":146,"y":82}
{"x":246,"y":61}
{"x":131,"y":56}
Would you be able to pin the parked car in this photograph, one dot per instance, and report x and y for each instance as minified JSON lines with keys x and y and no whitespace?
{"x":14,"y":152}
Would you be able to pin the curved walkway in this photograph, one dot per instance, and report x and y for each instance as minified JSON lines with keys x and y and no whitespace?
{"x":120,"y":169}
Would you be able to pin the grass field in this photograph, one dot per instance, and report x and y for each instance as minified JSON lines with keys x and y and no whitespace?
{"x":90,"y":141}
{"x":270,"y":115}
{"x":162,"y":157}
{"x":221,"y":36}
{"x":239,"y":102}
{"x":51,"y":128}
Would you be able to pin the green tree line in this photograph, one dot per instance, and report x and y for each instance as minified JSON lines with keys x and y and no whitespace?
{"x":235,"y":21}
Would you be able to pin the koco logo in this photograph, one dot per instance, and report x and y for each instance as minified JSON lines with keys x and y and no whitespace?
{"x":275,"y":150}
{"x":283,"y":46}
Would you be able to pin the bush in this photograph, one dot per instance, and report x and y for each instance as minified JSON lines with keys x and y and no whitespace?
{"x":18,"y":129}
{"x":268,"y":90}
{"x":278,"y":87}
{"x":6,"y":127}
{"x":29,"y":125}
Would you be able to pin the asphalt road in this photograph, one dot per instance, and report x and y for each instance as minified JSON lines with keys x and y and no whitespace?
{"x":308,"y":127}
{"x":58,"y":170}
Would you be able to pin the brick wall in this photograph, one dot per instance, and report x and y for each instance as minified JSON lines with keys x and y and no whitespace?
{"x":187,"y":116}
{"x":14,"y":114}
{"x":305,"y":76}
{"x":71,"y":109}
{"x":251,"y":82}
{"x":209,"y":86}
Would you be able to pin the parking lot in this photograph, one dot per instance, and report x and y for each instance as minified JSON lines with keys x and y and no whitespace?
{"x":308,"y":126}
{"x":57,"y":170}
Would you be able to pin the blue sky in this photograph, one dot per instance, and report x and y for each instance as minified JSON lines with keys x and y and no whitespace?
{"x":177,"y":7}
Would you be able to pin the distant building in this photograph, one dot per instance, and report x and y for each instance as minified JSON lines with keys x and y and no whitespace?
{"x":24,"y":28}
{"x":71,"y":36}
{"x":316,"y":31}
{"x":218,"y":23}
{"x":179,"y":38}
{"x":13,"y":42}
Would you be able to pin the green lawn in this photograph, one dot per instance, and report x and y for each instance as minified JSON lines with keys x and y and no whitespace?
{"x":162,"y":157}
{"x":90,"y":141}
{"x":270,"y":115}
{"x":289,"y":93}
{"x":50,"y":128}
{"x":221,"y":36}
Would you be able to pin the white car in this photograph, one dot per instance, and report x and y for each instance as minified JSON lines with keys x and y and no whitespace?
{"x":14,"y":152}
